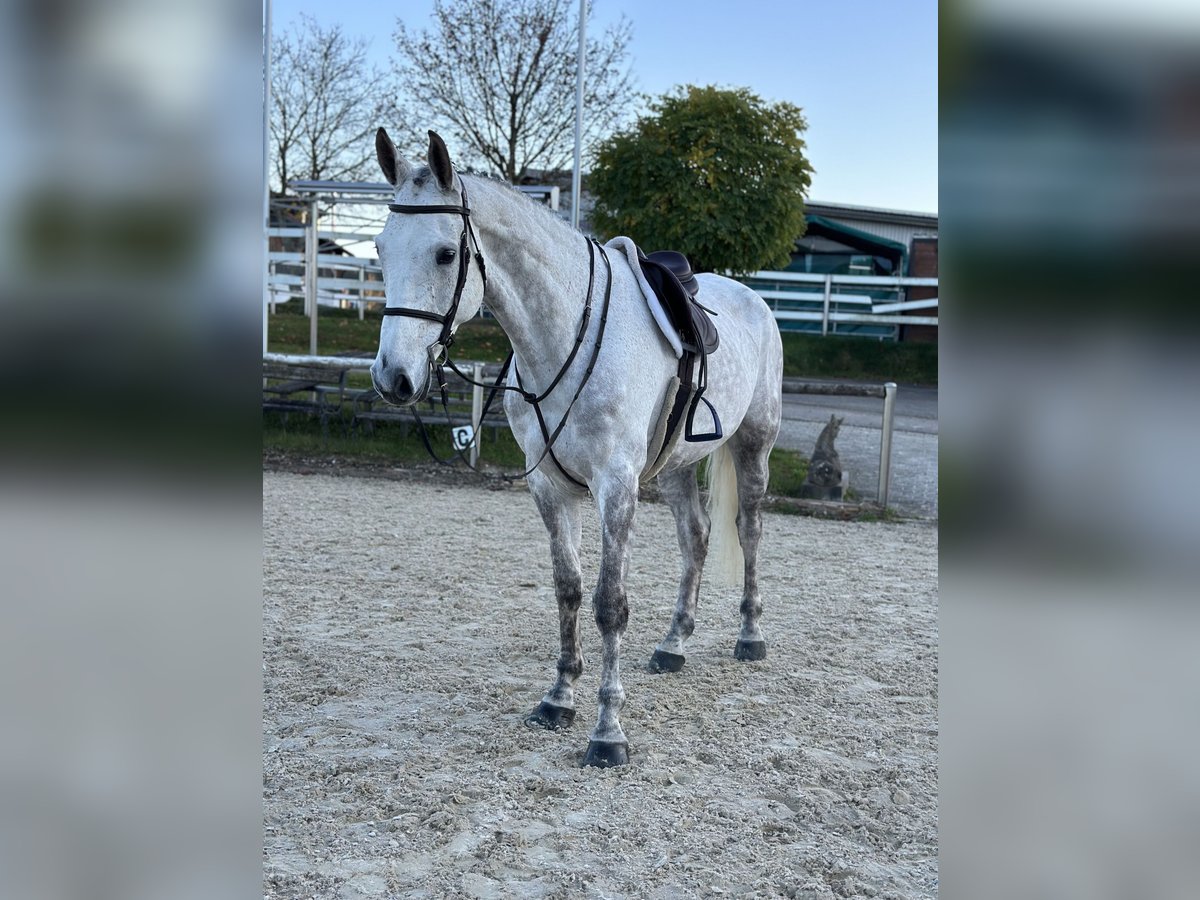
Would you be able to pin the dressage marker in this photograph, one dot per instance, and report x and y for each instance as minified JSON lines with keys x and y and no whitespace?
{"x":595,"y":374}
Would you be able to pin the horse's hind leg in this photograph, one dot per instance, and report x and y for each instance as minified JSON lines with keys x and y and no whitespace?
{"x":560,"y":512}
{"x":751,"y":452}
{"x":681,"y":491}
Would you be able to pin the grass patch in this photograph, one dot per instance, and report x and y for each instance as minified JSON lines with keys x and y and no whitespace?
{"x":788,"y":471}
{"x":880,"y":515}
{"x":393,"y":445}
{"x":804,"y":355}
{"x":340,"y":331}
{"x":391,"y":442}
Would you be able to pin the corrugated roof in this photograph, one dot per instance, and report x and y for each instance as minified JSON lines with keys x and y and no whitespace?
{"x":873,"y":214}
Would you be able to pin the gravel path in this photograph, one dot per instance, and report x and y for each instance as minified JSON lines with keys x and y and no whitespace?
{"x":409,"y":626}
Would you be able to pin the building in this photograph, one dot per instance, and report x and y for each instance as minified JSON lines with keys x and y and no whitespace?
{"x":860,"y":240}
{"x":842,"y":239}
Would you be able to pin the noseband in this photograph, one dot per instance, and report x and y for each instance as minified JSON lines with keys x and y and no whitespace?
{"x":438,"y":351}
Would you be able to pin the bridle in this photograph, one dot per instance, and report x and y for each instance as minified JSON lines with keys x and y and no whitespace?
{"x":439,"y":350}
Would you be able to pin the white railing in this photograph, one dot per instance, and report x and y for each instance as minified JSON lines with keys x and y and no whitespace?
{"x":344,"y":280}
{"x":869,"y":305}
{"x":858,"y":303}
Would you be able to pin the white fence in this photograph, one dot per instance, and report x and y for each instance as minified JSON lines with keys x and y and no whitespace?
{"x":844,"y":304}
{"x":864,"y":305}
{"x":343,"y":280}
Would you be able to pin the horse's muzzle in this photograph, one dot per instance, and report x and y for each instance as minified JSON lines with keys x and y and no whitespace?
{"x":400,"y":392}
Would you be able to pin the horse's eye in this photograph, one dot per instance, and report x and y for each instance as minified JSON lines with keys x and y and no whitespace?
{"x":445,"y":257}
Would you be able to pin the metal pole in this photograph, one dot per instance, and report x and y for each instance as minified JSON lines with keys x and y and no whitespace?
{"x":825,"y":313}
{"x":885,"y":442}
{"x":266,"y":166}
{"x":579,"y":61}
{"x":311,"y":252}
{"x":476,"y":410}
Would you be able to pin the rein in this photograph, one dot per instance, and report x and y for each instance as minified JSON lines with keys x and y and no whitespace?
{"x":439,"y":350}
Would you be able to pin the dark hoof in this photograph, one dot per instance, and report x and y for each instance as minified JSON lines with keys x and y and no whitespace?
{"x":662,"y":661}
{"x":749,"y":651}
{"x":547,"y":715}
{"x":603,"y":755}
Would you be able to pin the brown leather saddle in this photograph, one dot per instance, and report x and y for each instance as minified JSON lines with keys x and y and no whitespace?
{"x":670,"y":275}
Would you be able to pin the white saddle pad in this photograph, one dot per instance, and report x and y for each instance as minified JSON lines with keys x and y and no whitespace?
{"x":627,"y":247}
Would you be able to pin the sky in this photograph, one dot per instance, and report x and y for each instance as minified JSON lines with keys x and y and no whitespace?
{"x":863,"y":71}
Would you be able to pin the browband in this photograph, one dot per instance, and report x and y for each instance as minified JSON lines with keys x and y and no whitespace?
{"x":403,"y":208}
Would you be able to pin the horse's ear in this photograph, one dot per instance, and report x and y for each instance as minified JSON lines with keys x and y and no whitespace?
{"x":439,"y":161}
{"x":395,"y":167}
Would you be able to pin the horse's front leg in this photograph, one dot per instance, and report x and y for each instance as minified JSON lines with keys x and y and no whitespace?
{"x":560,"y":512}
{"x":617,"y":499}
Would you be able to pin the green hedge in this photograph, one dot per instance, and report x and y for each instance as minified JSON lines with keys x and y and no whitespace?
{"x":860,"y":359}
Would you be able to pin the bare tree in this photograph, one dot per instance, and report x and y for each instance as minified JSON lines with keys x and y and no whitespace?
{"x":500,"y":78}
{"x":326,"y":104}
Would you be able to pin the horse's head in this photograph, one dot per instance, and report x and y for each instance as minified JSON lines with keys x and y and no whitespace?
{"x":427,"y":275}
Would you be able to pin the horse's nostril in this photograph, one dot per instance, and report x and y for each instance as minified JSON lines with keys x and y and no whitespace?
{"x":402,"y":387}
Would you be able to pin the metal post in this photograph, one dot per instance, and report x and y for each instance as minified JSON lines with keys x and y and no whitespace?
{"x":362,"y":293}
{"x":266,"y":166}
{"x":476,"y":410}
{"x":825,"y":313}
{"x":885,"y":442}
{"x":579,"y":60}
{"x":311,"y":252}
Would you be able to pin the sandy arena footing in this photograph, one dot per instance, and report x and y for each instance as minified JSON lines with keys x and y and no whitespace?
{"x":410,"y":626}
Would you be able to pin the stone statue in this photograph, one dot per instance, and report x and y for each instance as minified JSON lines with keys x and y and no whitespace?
{"x":824,"y":481}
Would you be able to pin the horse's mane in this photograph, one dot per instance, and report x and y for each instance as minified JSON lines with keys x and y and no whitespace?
{"x":539,"y":209}
{"x":423,"y":173}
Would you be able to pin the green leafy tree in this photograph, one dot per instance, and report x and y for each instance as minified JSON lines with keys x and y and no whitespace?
{"x":717,"y":174}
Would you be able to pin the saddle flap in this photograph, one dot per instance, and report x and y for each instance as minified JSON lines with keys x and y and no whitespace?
{"x":704,"y":332}
{"x":687,"y":316}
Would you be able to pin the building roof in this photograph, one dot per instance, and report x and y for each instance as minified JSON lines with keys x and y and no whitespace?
{"x":855,"y":234}
{"x":829,"y":236}
{"x":872,"y":214}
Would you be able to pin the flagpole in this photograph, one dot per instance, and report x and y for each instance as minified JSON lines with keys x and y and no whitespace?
{"x":577,"y":175}
{"x":266,"y":169}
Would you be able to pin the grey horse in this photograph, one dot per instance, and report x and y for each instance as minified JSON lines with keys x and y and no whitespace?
{"x":539,"y":274}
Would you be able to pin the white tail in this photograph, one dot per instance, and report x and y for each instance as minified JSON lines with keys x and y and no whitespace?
{"x":725,"y":561}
